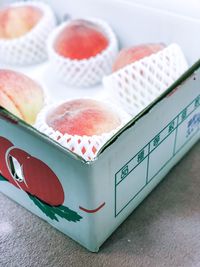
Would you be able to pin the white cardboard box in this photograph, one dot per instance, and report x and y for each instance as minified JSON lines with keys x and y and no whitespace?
{"x":99,"y":195}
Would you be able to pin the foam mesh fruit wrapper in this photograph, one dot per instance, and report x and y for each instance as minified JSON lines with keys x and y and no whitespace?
{"x":138,"y":84}
{"x":85,"y":72}
{"x":85,"y":146}
{"x":30,"y":48}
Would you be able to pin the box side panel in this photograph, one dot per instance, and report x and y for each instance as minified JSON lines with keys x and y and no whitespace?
{"x":46,"y":181}
{"x":129,"y":170}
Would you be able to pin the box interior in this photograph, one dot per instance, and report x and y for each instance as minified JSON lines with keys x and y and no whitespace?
{"x":182,"y":7}
{"x":134,"y":25}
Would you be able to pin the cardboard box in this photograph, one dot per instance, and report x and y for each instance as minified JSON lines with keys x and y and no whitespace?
{"x":99,"y":195}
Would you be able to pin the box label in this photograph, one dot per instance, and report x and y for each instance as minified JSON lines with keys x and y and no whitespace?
{"x":138,"y":172}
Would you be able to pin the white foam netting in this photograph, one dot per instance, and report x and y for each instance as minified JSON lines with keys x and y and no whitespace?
{"x":138,"y":84}
{"x":86,"y":72}
{"x":30,"y":48}
{"x":85,"y":146}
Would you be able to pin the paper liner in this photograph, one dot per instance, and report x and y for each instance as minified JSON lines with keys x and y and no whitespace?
{"x":138,"y":84}
{"x":30,"y":48}
{"x":85,"y":72}
{"x":85,"y":146}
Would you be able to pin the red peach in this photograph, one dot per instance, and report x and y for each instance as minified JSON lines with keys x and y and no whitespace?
{"x":20,"y":95}
{"x":129,"y":55}
{"x":83,"y":117}
{"x":80,"y":39}
{"x":16,"y":21}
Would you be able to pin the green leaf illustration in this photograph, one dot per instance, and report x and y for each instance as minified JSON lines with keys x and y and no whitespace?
{"x":53,"y":212}
{"x":68,"y":214}
{"x":3,"y":179}
{"x":44,"y":208}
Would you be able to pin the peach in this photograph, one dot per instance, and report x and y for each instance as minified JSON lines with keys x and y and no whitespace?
{"x":8,"y":104}
{"x":129,"y":55}
{"x":20,"y":95}
{"x":83,"y":117}
{"x":80,"y":39}
{"x":16,"y":21}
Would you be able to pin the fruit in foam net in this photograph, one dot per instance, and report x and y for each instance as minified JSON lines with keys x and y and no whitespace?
{"x":130,"y":55}
{"x":20,"y":95}
{"x":83,"y":117}
{"x":80,"y":39}
{"x":16,"y":21}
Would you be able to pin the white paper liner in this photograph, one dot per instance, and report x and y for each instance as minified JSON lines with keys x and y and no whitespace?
{"x":30,"y":48}
{"x":85,"y":146}
{"x":85,"y":72}
{"x":138,"y":84}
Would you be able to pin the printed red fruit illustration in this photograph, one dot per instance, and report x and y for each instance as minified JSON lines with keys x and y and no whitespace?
{"x":5,"y":144}
{"x":36,"y":178}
